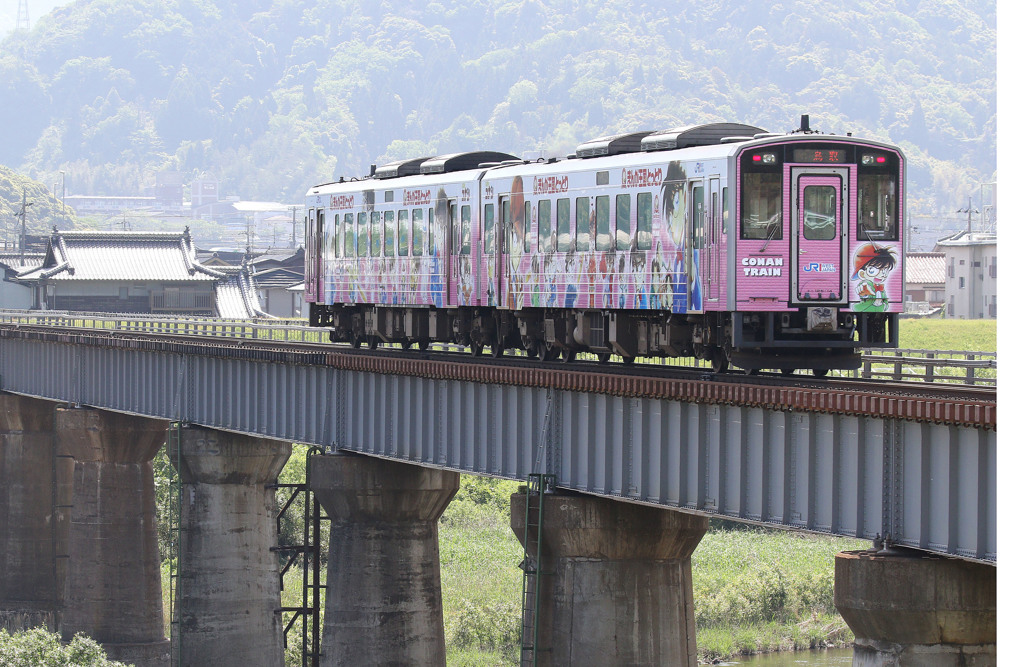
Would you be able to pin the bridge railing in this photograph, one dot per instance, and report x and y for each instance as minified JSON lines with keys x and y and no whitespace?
{"x":973,"y":368}
{"x":952,"y":366}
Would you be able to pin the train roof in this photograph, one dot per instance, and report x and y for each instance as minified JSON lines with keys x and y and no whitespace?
{"x":698,"y":142}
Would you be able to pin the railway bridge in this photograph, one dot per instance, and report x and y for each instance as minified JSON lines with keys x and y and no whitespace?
{"x":625,"y":464}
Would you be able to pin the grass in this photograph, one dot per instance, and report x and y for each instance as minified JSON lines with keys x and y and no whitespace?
{"x":960,"y":335}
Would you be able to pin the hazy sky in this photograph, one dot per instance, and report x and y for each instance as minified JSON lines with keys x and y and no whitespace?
{"x":36,"y":9}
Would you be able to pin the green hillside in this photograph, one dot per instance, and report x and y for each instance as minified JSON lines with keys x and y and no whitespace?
{"x":272,"y":96}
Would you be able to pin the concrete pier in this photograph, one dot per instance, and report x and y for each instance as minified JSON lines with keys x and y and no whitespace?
{"x":33,"y":519}
{"x":228,"y":576}
{"x":618,"y":588}
{"x":917,"y":611}
{"x":383,"y":602}
{"x":112,"y":593}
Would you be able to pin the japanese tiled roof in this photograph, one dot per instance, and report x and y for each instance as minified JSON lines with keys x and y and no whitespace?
{"x":122,"y":256}
{"x":21,"y":262}
{"x":236,"y":295}
{"x":926,"y":268}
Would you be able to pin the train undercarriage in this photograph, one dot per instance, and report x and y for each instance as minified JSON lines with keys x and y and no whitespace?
{"x":748,"y":341}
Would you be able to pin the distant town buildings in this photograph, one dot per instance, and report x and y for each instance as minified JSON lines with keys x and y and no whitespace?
{"x":925,"y":289}
{"x":970,"y":259}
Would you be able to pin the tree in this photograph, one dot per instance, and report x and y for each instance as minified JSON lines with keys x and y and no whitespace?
{"x":39,"y":648}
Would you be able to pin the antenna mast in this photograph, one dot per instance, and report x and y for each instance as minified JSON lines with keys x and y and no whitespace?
{"x":23,"y":22}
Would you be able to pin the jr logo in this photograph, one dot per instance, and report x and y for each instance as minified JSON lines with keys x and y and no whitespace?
{"x":817,"y":267}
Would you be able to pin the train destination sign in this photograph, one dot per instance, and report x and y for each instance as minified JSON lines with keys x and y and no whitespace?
{"x":830,"y":156}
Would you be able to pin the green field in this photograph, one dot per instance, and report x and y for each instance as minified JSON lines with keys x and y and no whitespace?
{"x":957,"y":335}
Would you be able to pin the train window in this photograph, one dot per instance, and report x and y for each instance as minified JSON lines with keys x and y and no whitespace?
{"x":375,"y":236}
{"x":489,"y":229}
{"x":819,"y":213}
{"x":403,"y":232}
{"x":466,"y":239}
{"x":454,"y":232}
{"x":389,"y":195}
{"x":583,"y":223}
{"x":762,"y":206}
{"x":876,"y":207}
{"x":350,"y":236}
{"x":604,"y":236}
{"x":725,"y":209}
{"x":431,"y":240}
{"x":564,"y":243}
{"x":644,"y":217}
{"x":697,"y":215}
{"x":544,"y":242}
{"x":507,"y":224}
{"x":335,"y":243}
{"x":362,"y":235}
{"x":389,"y":233}
{"x":602,"y":178}
{"x":527,"y":225}
{"x":417,"y":232}
{"x":622,"y":206}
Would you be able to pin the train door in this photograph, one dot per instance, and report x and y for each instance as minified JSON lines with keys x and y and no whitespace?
{"x":715,"y":241}
{"x":490,"y":256}
{"x":820,"y":225}
{"x":314,"y":256}
{"x":694,"y":271}
{"x":454,"y":250}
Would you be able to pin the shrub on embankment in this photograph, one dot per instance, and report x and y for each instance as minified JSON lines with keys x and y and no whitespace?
{"x":39,"y":648}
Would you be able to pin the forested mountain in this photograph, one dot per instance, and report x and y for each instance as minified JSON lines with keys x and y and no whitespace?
{"x":272,"y":96}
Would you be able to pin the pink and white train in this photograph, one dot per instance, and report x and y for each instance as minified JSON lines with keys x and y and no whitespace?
{"x":719,"y":241}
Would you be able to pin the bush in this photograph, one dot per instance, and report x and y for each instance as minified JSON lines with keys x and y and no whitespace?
{"x":39,"y":648}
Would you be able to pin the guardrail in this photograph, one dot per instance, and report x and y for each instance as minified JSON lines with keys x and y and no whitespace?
{"x":952,"y":366}
{"x":930,"y":366}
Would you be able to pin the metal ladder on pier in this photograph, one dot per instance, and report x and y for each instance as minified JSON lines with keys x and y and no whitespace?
{"x":309,"y":551}
{"x":174,"y":493}
{"x":532,"y":566}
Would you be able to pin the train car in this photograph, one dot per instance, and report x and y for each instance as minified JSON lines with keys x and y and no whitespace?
{"x":720,"y":241}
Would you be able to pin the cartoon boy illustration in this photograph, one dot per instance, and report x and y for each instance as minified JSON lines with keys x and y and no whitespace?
{"x":873,"y":265}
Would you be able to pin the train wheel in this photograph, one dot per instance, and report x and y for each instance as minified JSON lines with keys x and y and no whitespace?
{"x":548,"y":352}
{"x":603,"y":357}
{"x":751,"y":371}
{"x":356,"y":342}
{"x":406,"y":343}
{"x":423,"y":345}
{"x":628,"y":360}
{"x":719,"y":360}
{"x":475,"y":348}
{"x":497,"y":349}
{"x":568,"y":356}
{"x":820,"y":372}
{"x":371,"y":342}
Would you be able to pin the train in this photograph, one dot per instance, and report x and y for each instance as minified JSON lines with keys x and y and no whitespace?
{"x":721,"y":241}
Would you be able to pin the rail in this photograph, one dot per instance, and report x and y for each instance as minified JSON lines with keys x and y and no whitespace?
{"x":939,"y":366}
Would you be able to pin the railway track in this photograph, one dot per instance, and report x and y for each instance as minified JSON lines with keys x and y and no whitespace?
{"x":945,"y":403}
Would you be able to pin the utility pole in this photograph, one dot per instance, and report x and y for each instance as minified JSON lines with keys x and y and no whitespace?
{"x":969,"y":211}
{"x":294,"y":209}
{"x":63,"y":208}
{"x":21,"y":214}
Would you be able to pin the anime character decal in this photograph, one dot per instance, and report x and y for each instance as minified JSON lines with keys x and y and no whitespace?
{"x":674,"y":204}
{"x":517,"y":243}
{"x":872,"y":266}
